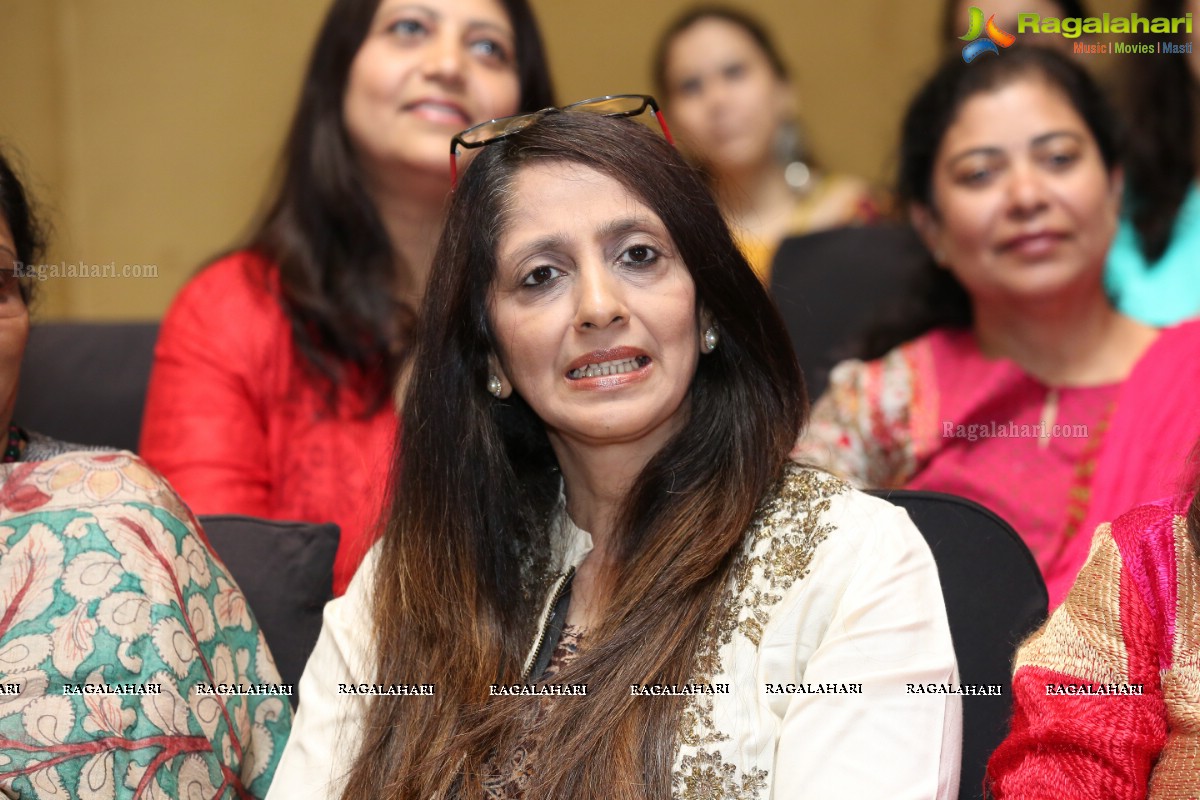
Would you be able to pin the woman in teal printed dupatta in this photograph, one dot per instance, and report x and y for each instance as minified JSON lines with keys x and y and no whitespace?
{"x":115,"y":618}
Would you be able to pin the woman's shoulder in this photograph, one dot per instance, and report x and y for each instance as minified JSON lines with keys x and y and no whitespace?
{"x":230,"y":311}
{"x":77,"y":478}
{"x":1167,"y":373}
{"x":1154,"y":547}
{"x":1150,"y":520}
{"x":821,"y":546}
{"x":41,"y":447}
{"x":930,"y":347}
{"x":122,"y":590}
{"x":892,"y":381}
{"x":813,"y":510}
{"x":1181,"y":336}
{"x":242,"y":283}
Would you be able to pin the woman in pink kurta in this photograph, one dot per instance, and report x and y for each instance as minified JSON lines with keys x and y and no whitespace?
{"x":1017,"y":384}
{"x":937,"y":414}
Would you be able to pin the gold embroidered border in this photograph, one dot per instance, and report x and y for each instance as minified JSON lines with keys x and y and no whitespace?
{"x":778,"y":552}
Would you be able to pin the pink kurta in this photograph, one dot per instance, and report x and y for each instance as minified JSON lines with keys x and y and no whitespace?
{"x":1010,"y":442}
{"x":936,"y":414}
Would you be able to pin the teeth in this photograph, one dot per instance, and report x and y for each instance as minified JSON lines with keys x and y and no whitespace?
{"x":605,"y":368}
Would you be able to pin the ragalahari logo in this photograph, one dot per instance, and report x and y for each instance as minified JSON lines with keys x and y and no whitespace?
{"x":977,"y":28}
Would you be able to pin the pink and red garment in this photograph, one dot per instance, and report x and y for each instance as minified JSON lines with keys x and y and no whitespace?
{"x":1131,"y":623}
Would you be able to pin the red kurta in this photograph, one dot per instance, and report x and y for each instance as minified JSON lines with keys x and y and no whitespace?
{"x":239,"y":423}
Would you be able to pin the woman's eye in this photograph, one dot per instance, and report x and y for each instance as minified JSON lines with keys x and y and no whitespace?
{"x":540,"y":276}
{"x":974,"y":175}
{"x":408,"y":27}
{"x":1062,"y":159}
{"x":689,"y":88}
{"x":640,"y":254}
{"x":492,"y":49}
{"x":734,"y":71}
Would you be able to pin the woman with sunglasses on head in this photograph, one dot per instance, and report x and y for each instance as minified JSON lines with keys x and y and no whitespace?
{"x":1010,"y":378}
{"x":276,"y":368}
{"x":733,"y":106}
{"x":594,"y":491}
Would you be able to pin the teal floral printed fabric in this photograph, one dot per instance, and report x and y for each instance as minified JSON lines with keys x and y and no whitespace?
{"x":116,"y":624}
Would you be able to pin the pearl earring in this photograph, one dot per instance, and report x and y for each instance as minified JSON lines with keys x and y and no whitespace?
{"x":710,"y":339}
{"x":494,"y":386}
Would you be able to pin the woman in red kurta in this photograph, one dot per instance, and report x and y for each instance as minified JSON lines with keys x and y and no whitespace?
{"x":273,"y":391}
{"x":239,"y":422}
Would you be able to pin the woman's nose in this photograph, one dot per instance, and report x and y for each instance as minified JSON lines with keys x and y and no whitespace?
{"x":600,"y":299}
{"x":1026,"y":190}
{"x":444,"y":57}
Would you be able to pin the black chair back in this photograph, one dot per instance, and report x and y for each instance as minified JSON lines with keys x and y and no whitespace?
{"x":285,"y":571}
{"x":831,"y":287}
{"x":995,"y":597}
{"x":86,"y":382}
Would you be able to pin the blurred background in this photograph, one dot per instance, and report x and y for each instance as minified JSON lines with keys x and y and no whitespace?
{"x":149,"y":131}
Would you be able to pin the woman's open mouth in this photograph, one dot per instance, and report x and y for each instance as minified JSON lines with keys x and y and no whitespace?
{"x":602,"y":368}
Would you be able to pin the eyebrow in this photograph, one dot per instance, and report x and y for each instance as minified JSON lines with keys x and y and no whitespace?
{"x":432,"y":12}
{"x":1037,"y":141}
{"x":556,"y":241}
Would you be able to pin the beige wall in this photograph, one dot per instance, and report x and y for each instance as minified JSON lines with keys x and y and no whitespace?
{"x":150,"y":129}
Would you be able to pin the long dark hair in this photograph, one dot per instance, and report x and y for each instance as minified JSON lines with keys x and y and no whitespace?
{"x":337,"y":267}
{"x":459,"y":582}
{"x":19,"y":211}
{"x":936,"y":298}
{"x":1160,"y":99}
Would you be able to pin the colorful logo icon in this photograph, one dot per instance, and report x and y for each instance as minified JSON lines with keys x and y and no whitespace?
{"x":977,"y":28}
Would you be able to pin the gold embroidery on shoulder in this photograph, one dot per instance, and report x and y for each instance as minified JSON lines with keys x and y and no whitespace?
{"x":1181,"y":683}
{"x":777,"y":552}
{"x":705,"y":776}
{"x":1083,"y":638}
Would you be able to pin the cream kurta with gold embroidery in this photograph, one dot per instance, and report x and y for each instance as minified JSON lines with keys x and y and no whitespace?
{"x":834,"y":608}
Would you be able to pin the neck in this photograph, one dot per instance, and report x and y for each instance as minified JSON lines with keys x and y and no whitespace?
{"x":597,"y":480}
{"x":1065,"y":341}
{"x":413,"y":212}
